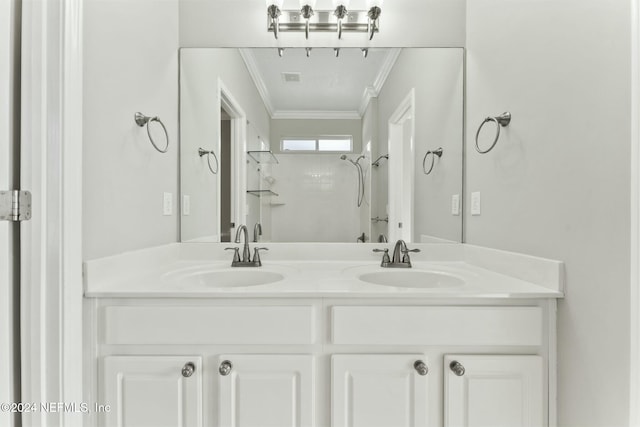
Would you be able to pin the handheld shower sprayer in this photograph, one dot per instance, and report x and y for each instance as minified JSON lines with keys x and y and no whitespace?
{"x":358,"y":166}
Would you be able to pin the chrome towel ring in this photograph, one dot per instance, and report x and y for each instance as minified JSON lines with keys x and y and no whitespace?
{"x":202,"y":152}
{"x":142,"y":120}
{"x":501,"y":121}
{"x":434,"y":153}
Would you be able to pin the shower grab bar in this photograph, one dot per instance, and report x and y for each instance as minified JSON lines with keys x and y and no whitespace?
{"x":142,"y":120}
{"x":202,"y":152}
{"x":434,"y":153}
{"x":501,"y":121}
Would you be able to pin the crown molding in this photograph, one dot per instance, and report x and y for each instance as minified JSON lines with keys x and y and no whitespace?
{"x":316,"y":115}
{"x":254,"y":72}
{"x":381,"y":78}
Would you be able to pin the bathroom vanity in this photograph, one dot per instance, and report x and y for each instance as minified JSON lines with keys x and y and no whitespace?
{"x":464,"y":337}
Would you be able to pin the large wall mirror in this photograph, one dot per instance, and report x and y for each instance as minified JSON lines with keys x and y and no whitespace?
{"x":322,"y":145}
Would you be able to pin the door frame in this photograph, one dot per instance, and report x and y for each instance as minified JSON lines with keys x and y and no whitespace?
{"x":401,"y":169}
{"x":51,"y":242}
{"x":227,"y":101}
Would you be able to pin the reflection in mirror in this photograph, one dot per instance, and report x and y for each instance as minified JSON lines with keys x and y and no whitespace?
{"x":322,"y":148}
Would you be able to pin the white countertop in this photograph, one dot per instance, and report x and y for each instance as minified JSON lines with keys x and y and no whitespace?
{"x":480,"y":273}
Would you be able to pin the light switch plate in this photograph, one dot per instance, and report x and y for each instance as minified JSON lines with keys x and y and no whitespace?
{"x":455,"y":204}
{"x":167,"y":204}
{"x":186,"y":205}
{"x":475,"y":203}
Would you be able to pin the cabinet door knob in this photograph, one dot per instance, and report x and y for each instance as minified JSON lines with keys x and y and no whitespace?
{"x":225,"y":368}
{"x":421,"y":367}
{"x":188,"y":369}
{"x":457,"y":368}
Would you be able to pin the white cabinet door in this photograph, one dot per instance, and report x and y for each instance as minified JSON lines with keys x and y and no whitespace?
{"x":152,"y":391}
{"x":378,"y":391}
{"x":266,"y":390}
{"x":493,"y":391}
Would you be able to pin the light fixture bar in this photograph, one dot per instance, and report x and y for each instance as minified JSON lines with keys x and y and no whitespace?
{"x":324,"y":21}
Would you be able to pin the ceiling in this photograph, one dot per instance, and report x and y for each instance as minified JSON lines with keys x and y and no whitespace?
{"x":328,"y":86}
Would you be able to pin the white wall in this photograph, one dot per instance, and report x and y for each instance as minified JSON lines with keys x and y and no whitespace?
{"x":200,"y":72}
{"x":243,"y":23}
{"x":557,"y":184}
{"x":319,"y":196}
{"x":281,"y":128}
{"x":130,"y":65}
{"x":438,"y":123}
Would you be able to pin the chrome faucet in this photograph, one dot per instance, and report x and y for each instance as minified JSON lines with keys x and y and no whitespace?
{"x":400,"y":258}
{"x":257,"y":231}
{"x":246,"y":251}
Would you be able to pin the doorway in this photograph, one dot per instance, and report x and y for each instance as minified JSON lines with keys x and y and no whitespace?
{"x":232,"y":182}
{"x":401,"y":169}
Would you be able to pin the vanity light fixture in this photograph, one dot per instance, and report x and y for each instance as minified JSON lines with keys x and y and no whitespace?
{"x":306,"y":10}
{"x":340,"y":19}
{"x":375,"y":9}
{"x":340,"y":12}
{"x":274,"y":12}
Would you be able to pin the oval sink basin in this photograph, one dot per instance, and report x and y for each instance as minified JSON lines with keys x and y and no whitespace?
{"x":411,"y":279}
{"x":228,"y":278}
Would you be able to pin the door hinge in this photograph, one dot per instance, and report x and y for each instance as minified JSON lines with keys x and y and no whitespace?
{"x":15,"y":205}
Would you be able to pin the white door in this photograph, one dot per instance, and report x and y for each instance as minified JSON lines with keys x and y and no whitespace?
{"x":379,"y":390}
{"x":8,"y":236}
{"x":152,"y":391}
{"x":493,"y":391}
{"x":266,"y":390}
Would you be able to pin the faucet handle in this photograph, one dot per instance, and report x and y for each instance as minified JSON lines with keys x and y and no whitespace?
{"x":236,"y":254}
{"x":385,"y":258}
{"x":256,"y":255}
{"x":405,"y":257}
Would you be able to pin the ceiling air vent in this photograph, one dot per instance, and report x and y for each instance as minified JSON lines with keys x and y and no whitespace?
{"x":289,"y":77}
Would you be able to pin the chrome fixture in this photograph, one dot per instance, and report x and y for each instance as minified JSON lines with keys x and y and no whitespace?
{"x":188,"y":369}
{"x":378,"y":219}
{"x":377,"y":162}
{"x":274,"y":12}
{"x":457,"y":368}
{"x":336,"y":51}
{"x":421,"y":367}
{"x":306,"y":9}
{"x":308,"y":50}
{"x":257,"y":231}
{"x":365,"y":52}
{"x":382,"y":239}
{"x":400,"y":257}
{"x":225,"y":368}
{"x":306,"y":19}
{"x":202,"y":152}
{"x":280,"y":52}
{"x":246,"y":260}
{"x":434,"y":153}
{"x":358,"y":166}
{"x":142,"y":120}
{"x":373,"y":14}
{"x":361,"y":238}
{"x":502,"y":120}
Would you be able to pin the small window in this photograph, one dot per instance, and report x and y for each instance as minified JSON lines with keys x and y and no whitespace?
{"x":340,"y":144}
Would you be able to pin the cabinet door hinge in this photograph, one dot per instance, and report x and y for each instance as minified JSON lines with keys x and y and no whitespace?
{"x":15,"y":205}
